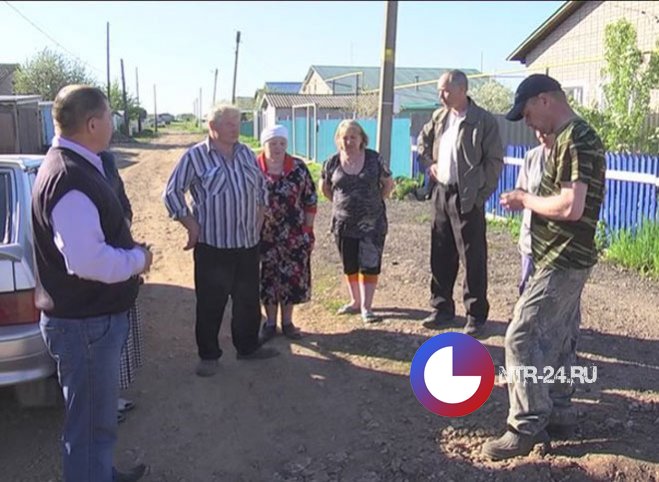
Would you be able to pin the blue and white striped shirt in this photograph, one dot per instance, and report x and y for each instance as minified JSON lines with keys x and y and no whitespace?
{"x":226,"y":194}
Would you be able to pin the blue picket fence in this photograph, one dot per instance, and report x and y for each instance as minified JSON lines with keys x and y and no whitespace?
{"x":632,"y":188}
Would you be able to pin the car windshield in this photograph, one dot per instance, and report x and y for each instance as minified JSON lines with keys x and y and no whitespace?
{"x":5,"y":211}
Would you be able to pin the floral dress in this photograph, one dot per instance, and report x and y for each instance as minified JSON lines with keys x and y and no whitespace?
{"x":131,"y":353}
{"x":285,"y":246}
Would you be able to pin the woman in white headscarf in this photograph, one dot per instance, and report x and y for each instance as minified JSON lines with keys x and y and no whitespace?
{"x":287,"y":236}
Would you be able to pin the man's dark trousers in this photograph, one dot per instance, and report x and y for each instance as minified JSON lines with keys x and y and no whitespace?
{"x":458,"y":237}
{"x":220,"y":273}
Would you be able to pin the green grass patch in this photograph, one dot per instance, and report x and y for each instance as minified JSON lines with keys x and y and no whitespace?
{"x":251,"y":142}
{"x":146,"y":134}
{"x":601,"y":237}
{"x":314,"y":170}
{"x":638,"y":251}
{"x":512,"y":225}
{"x":326,"y":290}
{"x":186,"y":126}
{"x":332,"y":305}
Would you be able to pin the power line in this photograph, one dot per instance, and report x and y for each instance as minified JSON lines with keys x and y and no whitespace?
{"x":49,"y":36}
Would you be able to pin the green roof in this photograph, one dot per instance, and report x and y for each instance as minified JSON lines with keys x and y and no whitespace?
{"x":417,"y":97}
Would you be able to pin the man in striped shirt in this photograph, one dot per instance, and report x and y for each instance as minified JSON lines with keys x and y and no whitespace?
{"x":229,"y":197}
{"x":545,"y":325}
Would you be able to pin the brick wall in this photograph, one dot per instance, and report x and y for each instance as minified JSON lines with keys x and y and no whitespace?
{"x":570,"y":50}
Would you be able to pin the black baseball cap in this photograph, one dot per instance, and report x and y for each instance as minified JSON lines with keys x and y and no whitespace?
{"x":530,"y":87}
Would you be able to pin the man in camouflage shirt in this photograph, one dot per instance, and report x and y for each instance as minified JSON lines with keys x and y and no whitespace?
{"x":545,"y":326}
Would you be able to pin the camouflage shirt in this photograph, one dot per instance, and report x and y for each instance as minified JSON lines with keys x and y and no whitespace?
{"x":578,"y":155}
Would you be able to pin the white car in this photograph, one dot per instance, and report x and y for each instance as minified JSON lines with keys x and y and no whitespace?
{"x":24,"y":358}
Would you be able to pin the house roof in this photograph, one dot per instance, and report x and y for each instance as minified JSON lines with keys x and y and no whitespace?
{"x":286,"y":101}
{"x":413,"y":97}
{"x":7,"y":69}
{"x":540,"y":33}
{"x":283,"y":87}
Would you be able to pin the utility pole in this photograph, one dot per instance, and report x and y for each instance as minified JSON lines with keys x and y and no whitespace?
{"x":385,"y":112}
{"x":196,"y":112}
{"x":200,"y":108}
{"x":107,"y":54}
{"x":137,"y":93}
{"x":123,"y":88}
{"x":215,"y":87}
{"x":155,"y":109}
{"x":235,"y":70}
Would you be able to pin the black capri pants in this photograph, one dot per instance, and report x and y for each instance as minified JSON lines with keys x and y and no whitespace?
{"x":361,"y":255}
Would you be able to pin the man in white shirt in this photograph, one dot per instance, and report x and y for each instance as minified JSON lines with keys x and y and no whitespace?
{"x":462,"y":147}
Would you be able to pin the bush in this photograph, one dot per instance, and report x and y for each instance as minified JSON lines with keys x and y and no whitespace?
{"x":251,"y":142}
{"x":601,"y":236}
{"x":512,"y":224}
{"x":314,"y":169}
{"x":146,"y":134}
{"x":406,"y":186}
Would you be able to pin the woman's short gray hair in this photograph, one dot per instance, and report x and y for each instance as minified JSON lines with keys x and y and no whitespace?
{"x":220,"y":110}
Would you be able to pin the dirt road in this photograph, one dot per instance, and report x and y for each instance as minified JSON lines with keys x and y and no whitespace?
{"x":338,"y":404}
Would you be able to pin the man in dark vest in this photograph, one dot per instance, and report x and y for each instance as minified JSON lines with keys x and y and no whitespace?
{"x":88,"y":266}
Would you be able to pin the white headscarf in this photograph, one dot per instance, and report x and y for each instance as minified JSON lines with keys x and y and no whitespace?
{"x":274,"y":131}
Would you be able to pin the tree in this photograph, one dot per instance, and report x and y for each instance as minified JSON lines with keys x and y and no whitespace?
{"x":186,"y":118}
{"x":630,"y":77}
{"x":364,"y":106}
{"x":47,"y":72}
{"x":493,"y":96}
{"x":117,"y":102}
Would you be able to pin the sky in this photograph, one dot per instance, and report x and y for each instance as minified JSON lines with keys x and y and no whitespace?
{"x":177,"y":46}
